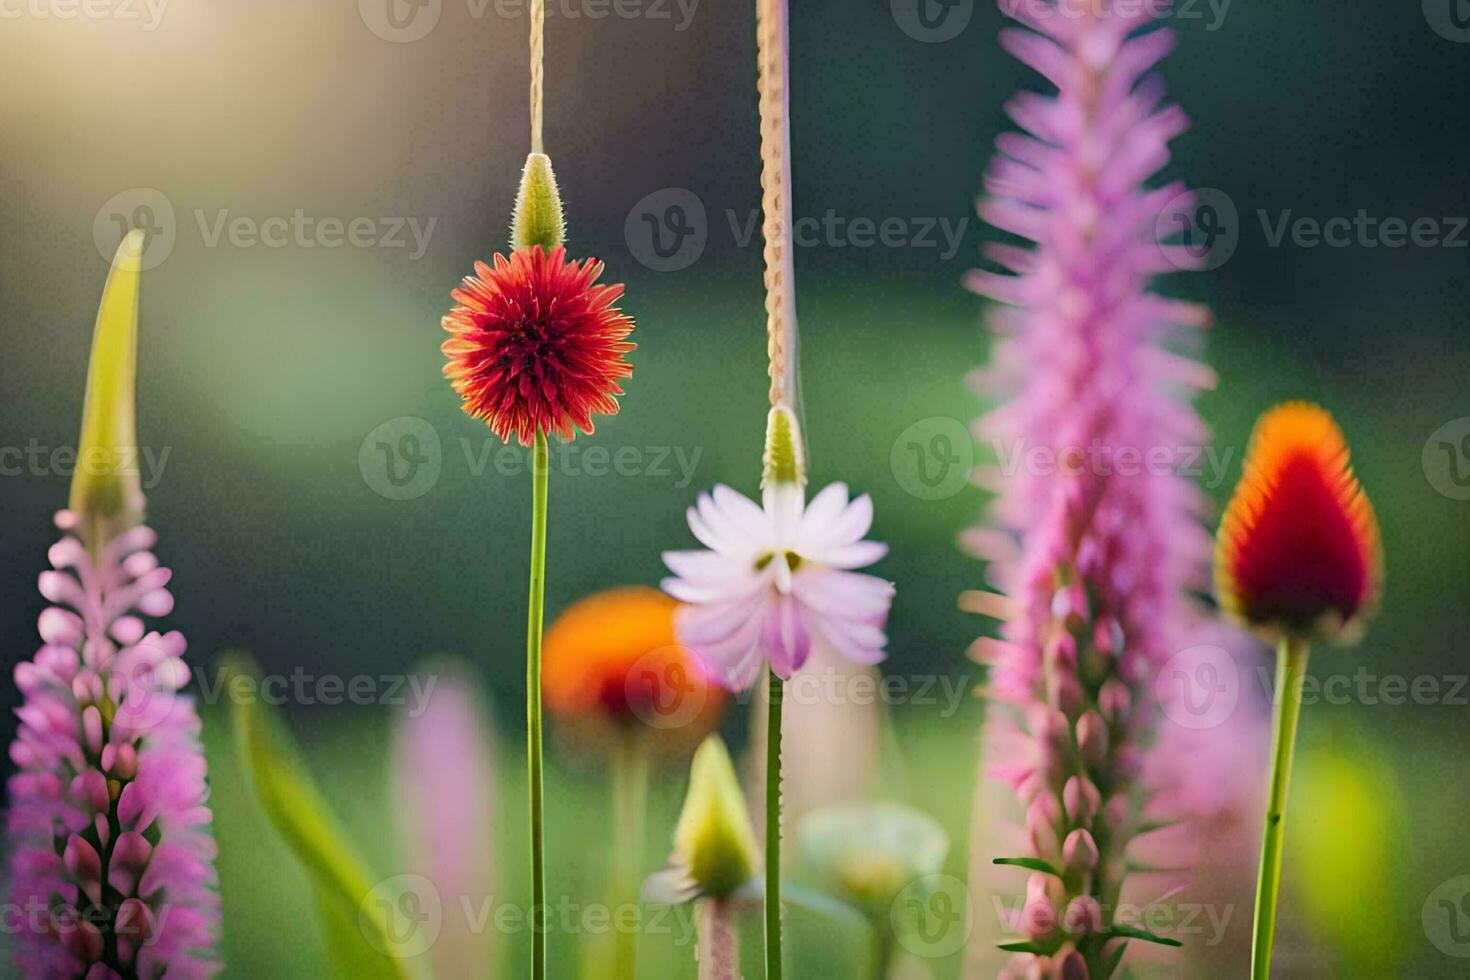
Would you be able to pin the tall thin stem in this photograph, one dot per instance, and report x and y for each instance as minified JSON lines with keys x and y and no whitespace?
{"x":1291,"y":667}
{"x":538,"y":70}
{"x":774,"y":84}
{"x":534,"y":617}
{"x":630,"y":795}
{"x":719,"y":948}
{"x":773,"y":828}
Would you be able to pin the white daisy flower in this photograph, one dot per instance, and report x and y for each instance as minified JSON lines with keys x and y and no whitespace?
{"x":778,"y":577}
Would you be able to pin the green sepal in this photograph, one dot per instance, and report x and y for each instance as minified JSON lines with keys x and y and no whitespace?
{"x":1034,"y":946}
{"x":1030,"y":863}
{"x":1129,"y":932}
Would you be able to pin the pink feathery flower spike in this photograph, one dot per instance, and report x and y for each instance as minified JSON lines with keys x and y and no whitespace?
{"x":112,"y":856}
{"x":1095,"y":553}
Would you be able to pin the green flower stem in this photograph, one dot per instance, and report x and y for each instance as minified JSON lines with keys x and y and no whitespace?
{"x":882,"y":947}
{"x":630,"y":803}
{"x":534,"y":617}
{"x":1291,"y":668}
{"x":719,"y":947}
{"x":773,"y":828}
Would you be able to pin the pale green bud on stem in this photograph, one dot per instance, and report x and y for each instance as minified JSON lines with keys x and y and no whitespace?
{"x":105,"y":489}
{"x":784,"y":458}
{"x":538,"y":216}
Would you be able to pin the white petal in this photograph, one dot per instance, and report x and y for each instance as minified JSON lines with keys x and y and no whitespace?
{"x":855,"y":521}
{"x":783,"y":505}
{"x":846,"y":595}
{"x":857,"y":555}
{"x":698,"y":593}
{"x":823,"y":511}
{"x":749,"y":522}
{"x":831,"y":633}
{"x":706,"y":567}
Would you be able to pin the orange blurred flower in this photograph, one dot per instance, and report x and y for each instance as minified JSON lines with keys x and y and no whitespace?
{"x":612,"y":656}
{"x":1298,"y":551}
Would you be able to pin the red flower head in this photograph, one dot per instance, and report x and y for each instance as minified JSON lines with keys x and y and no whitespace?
{"x":536,"y":347}
{"x":1298,"y":551}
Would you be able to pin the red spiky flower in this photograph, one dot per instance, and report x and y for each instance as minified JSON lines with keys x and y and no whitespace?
{"x":536,"y":346}
{"x":1298,"y":552}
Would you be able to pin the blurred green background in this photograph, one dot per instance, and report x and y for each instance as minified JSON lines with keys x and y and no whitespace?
{"x":269,"y":375}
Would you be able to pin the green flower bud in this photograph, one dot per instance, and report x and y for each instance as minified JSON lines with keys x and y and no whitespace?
{"x":783,"y":460}
{"x":105,"y":489}
{"x":714,"y":844}
{"x":538,"y":216}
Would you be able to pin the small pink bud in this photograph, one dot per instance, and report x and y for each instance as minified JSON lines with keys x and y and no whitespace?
{"x":1081,"y":798}
{"x":1083,"y":915}
{"x":1069,"y":606}
{"x":1114,"y":699}
{"x":1107,"y":636}
{"x":1080,"y":852}
{"x":1092,"y":738}
{"x":1038,"y":915}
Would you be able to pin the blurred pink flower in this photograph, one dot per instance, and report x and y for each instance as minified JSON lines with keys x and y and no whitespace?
{"x":1095,"y":554}
{"x":445,"y":769}
{"x":777,"y":578}
{"x":112,"y":870}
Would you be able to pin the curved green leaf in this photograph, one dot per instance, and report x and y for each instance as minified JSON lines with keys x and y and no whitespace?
{"x":357,"y":929}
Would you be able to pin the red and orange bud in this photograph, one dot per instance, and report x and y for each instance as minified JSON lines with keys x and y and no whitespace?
{"x":612,"y":657}
{"x":1298,"y":552}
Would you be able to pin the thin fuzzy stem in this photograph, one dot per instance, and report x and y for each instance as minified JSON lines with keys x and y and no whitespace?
{"x":630,"y":797}
{"x":534,"y":617}
{"x":773,"y":828}
{"x":719,"y":945}
{"x":538,"y":70}
{"x":775,"y":103}
{"x":1291,"y":668}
